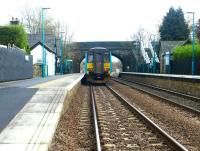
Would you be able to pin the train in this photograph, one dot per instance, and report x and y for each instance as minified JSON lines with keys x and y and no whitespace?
{"x":98,"y":65}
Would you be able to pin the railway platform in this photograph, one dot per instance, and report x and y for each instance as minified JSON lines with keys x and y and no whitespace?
{"x":186,"y":84}
{"x":30,"y":115}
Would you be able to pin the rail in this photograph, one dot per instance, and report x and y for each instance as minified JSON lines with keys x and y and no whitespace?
{"x":95,"y":119}
{"x":176,"y":145}
{"x":191,"y":109}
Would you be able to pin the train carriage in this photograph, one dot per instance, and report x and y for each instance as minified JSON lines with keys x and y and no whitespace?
{"x":98,"y":65}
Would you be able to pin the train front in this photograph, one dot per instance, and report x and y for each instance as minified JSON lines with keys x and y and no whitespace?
{"x":98,"y":65}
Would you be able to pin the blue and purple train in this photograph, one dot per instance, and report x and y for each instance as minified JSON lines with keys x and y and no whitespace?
{"x":98,"y":65}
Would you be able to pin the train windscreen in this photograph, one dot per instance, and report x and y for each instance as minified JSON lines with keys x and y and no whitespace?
{"x":90,"y":58}
{"x":106,"y":58}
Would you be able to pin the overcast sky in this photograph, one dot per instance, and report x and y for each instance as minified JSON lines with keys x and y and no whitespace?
{"x":102,"y":20}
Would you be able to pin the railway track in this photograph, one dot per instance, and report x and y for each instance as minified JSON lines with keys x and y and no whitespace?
{"x":187,"y":102}
{"x":121,"y":126}
{"x":75,"y":130}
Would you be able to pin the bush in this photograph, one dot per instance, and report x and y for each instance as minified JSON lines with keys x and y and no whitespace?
{"x":185,"y":52}
{"x":13,"y":34}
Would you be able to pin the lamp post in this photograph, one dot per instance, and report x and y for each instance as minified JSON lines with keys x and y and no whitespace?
{"x":193,"y":70}
{"x":43,"y":50}
{"x":61,"y":67}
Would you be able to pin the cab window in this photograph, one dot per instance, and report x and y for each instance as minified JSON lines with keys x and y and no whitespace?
{"x":106,"y":58}
{"x":90,"y":58}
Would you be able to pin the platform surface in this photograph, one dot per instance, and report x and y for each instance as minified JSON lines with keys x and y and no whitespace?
{"x":30,"y":110}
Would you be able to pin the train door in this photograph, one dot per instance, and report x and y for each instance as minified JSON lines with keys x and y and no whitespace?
{"x":98,"y":63}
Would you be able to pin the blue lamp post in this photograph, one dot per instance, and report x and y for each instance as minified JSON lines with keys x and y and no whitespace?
{"x":43,"y":50}
{"x":193,"y":68}
{"x":61,"y":67}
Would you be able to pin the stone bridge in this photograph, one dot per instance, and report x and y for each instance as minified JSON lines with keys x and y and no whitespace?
{"x":126,"y":51}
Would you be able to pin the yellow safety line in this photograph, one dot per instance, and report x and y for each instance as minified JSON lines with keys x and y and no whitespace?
{"x":48,"y":83}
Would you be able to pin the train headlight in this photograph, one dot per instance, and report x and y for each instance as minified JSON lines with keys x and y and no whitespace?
{"x":90,"y":69}
{"x":106,"y":69}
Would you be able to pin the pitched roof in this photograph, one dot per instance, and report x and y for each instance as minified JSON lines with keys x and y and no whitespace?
{"x":45,"y":46}
{"x":51,"y":41}
{"x":170,"y":45}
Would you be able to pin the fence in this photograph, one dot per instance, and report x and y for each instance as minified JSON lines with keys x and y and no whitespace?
{"x":15,"y":65}
{"x":146,"y":68}
{"x":184,"y":66}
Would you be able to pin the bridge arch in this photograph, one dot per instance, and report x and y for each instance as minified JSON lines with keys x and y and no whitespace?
{"x":124,"y":51}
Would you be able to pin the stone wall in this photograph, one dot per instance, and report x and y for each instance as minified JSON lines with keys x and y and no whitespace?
{"x":184,"y":84}
{"x":37,"y":72}
{"x":14,"y":66}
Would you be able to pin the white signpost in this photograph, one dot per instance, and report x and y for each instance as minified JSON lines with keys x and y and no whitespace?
{"x":167,"y":59}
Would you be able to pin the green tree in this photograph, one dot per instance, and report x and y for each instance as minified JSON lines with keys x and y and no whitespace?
{"x":174,"y":26}
{"x":13,"y":34}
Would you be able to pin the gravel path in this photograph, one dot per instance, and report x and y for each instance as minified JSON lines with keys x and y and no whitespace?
{"x":75,"y":130}
{"x":180,"y":124}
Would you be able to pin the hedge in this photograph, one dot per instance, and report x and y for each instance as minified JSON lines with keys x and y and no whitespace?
{"x":13,"y":34}
{"x":185,"y":52}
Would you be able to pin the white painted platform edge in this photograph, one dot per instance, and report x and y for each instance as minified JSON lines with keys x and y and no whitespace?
{"x":178,"y":76}
{"x":43,"y":134}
